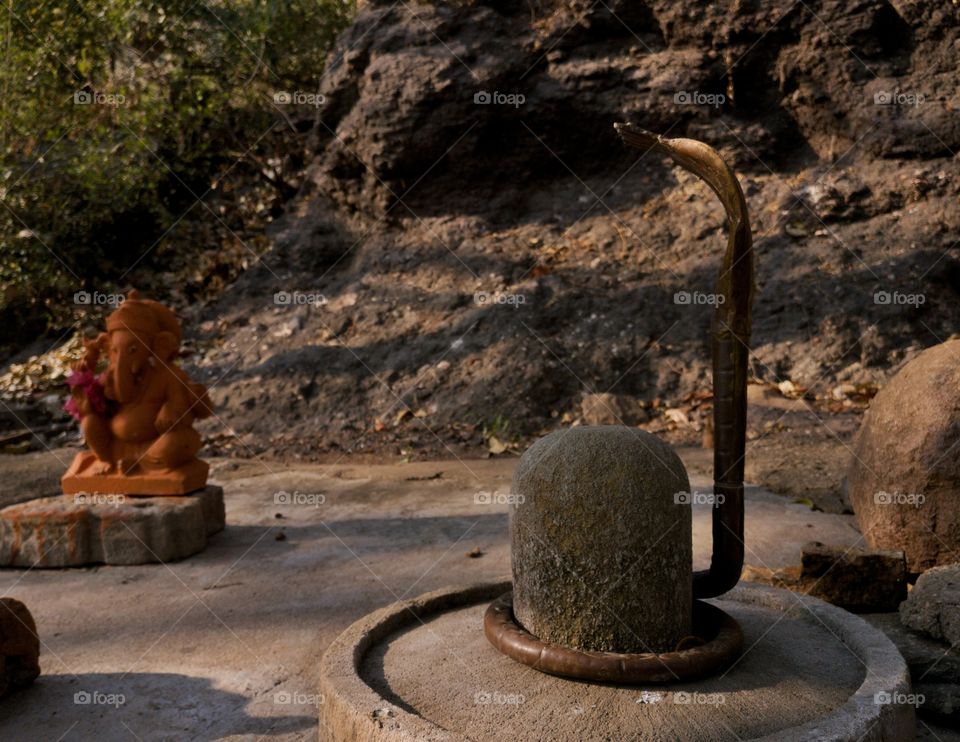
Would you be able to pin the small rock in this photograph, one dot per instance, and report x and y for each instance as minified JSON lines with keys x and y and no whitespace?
{"x":789,"y":389}
{"x":475,"y":553}
{"x":934,"y":666}
{"x":289,"y":328}
{"x":281,"y":536}
{"x":609,"y":409}
{"x":858,"y":580}
{"x":19,"y":647}
{"x":929,"y":660}
{"x":933,"y":606}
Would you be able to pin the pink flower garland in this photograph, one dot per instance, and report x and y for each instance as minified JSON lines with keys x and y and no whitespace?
{"x":92,"y":388}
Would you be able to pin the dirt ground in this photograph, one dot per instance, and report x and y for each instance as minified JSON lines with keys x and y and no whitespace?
{"x":793,"y":450}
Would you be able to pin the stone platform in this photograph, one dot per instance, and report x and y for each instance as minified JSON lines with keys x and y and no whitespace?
{"x":74,"y":530}
{"x":423,"y":670}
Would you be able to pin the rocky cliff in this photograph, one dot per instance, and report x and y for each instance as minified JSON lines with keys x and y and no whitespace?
{"x":474,"y":246}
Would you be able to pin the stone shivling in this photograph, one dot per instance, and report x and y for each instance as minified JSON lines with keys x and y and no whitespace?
{"x":603,"y":590}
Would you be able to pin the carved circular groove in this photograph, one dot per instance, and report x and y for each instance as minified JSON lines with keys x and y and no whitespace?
{"x":724,"y":644}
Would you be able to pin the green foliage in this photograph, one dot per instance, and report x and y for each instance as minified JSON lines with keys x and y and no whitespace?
{"x":180,"y":92}
{"x":499,"y":427}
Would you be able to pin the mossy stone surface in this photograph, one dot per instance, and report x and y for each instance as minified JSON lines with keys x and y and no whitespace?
{"x":601,"y":549}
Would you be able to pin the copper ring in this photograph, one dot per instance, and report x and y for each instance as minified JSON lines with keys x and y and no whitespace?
{"x":724,"y":643}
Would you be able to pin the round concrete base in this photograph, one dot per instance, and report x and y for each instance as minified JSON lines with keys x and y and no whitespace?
{"x":423,"y":670}
{"x":73,"y":530}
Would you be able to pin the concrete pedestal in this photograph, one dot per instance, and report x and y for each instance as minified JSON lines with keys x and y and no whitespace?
{"x":73,"y":530}
{"x":423,"y":670}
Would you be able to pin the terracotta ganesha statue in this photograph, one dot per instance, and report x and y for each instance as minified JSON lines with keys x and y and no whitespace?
{"x":137,"y":414}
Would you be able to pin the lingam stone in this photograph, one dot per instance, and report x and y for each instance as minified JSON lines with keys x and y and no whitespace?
{"x":601,"y":542}
{"x":137,"y":414}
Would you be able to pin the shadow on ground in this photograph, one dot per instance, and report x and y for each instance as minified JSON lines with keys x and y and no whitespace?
{"x":144,"y":706}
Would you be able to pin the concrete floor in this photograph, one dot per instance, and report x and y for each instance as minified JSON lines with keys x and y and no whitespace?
{"x":225,"y":645}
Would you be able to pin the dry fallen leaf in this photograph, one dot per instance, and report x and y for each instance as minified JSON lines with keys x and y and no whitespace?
{"x":676,"y":415}
{"x":789,"y":389}
{"x":495,"y":445}
{"x":796,"y":229}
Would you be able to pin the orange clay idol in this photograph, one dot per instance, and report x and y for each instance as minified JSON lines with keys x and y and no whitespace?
{"x":137,"y":415}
